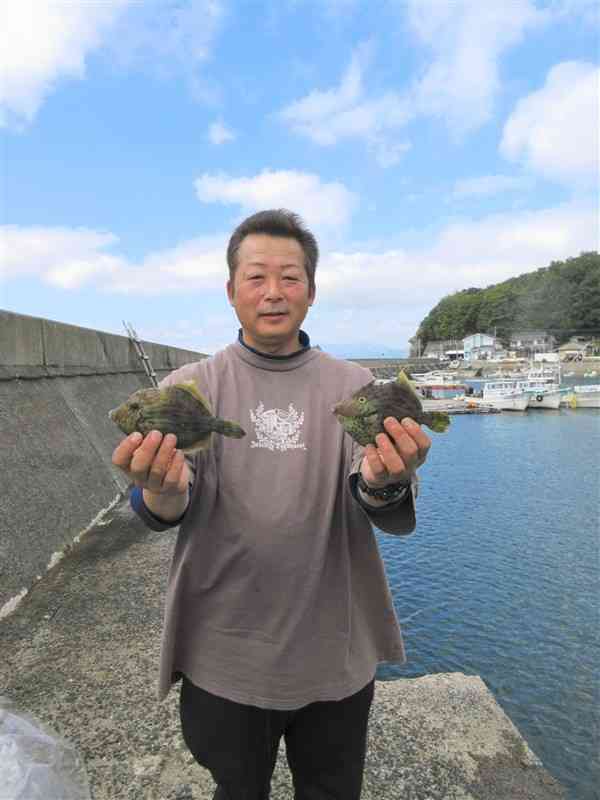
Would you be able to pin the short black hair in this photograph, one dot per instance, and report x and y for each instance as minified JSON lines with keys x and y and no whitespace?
{"x":276,"y":222}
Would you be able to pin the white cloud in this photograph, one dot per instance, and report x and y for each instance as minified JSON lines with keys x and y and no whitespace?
{"x":45,"y":41}
{"x":63,"y":257}
{"x":365,"y":297}
{"x":42,"y":42}
{"x":207,"y":333}
{"x":555,"y":131}
{"x":219,"y":133}
{"x":169,"y":35}
{"x":585,"y":11}
{"x":323,"y":205}
{"x":326,"y":117}
{"x":463,"y":254}
{"x":71,"y":258}
{"x":491,"y":185}
{"x":458,"y":83}
{"x":467,"y":39}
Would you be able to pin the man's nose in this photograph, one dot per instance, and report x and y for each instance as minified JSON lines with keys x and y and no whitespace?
{"x":273,"y":289}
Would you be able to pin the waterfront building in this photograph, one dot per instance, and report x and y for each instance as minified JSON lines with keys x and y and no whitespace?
{"x":528,"y":343}
{"x":479,"y":346}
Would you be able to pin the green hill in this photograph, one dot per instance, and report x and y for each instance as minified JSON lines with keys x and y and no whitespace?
{"x":562,"y":299}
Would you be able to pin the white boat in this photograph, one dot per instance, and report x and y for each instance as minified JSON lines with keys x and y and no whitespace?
{"x":505,"y":395}
{"x":436,"y":378}
{"x":542,"y":397}
{"x":543,"y":387}
{"x":586,"y":396}
{"x":543,"y":392}
{"x":590,"y":374}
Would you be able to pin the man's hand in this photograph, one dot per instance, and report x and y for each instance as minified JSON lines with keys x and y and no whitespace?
{"x":153,"y":463}
{"x":399,"y":452}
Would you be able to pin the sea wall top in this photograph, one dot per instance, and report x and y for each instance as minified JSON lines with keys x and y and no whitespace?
{"x":32,"y":347}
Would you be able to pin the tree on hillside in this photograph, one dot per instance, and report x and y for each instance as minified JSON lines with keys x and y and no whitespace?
{"x":562,"y":297}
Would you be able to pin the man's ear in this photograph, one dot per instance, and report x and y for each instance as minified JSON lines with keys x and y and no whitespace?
{"x":311,"y":296}
{"x":229,"y":287}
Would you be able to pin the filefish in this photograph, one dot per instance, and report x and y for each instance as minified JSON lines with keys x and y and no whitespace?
{"x":180,"y":409}
{"x":362,"y":414}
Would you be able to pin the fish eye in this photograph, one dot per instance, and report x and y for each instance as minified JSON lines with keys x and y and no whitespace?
{"x":134,"y":406}
{"x":362,"y":399}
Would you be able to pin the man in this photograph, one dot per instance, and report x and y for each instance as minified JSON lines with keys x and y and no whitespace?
{"x":277,"y":608}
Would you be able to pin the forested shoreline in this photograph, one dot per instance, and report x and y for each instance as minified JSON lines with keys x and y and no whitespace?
{"x":562,"y":299}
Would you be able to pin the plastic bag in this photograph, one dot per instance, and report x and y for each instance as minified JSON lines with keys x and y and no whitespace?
{"x":35,"y":763}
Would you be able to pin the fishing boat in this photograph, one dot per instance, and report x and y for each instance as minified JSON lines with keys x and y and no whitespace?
{"x":438,"y":384}
{"x":586,"y":396}
{"x":437,"y":379}
{"x":543,"y":387}
{"x":505,"y":395}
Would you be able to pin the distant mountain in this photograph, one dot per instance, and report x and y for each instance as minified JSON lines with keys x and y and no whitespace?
{"x":561,"y":299}
{"x":361,"y":351}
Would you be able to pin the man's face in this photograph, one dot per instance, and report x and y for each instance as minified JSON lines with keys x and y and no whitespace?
{"x":270,"y":292}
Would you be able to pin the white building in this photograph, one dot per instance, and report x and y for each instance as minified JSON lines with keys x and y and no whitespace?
{"x":478,"y":346}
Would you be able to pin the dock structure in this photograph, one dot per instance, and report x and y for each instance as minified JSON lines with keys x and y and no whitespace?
{"x":453,"y":405}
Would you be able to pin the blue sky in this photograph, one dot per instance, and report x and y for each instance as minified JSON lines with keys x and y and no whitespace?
{"x":430,"y":145}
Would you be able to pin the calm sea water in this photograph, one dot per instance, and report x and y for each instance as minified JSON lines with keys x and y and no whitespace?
{"x":501,"y":577}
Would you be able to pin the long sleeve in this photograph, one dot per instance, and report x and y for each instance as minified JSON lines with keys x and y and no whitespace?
{"x":396,"y":518}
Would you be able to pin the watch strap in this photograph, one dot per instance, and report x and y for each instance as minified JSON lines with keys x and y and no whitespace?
{"x":393,"y":491}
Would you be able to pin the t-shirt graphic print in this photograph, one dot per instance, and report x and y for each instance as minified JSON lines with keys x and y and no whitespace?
{"x":276,"y":429}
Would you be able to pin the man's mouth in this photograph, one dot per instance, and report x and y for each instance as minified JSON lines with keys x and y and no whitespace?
{"x":274,"y":314}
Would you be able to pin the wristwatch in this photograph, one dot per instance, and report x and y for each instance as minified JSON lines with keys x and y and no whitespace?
{"x":393,"y":491}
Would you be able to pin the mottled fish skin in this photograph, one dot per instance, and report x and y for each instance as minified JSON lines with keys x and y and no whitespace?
{"x":362,"y":414}
{"x":180,"y":409}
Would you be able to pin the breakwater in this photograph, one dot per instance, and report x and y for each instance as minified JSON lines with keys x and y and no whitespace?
{"x":57,"y":384}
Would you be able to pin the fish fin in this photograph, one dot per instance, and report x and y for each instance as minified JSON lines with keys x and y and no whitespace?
{"x":191,"y":387}
{"x":198,"y":447}
{"x":403,"y":380}
{"x":438,"y":421}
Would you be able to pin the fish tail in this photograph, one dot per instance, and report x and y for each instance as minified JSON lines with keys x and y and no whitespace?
{"x":229,"y":429}
{"x":438,"y":421}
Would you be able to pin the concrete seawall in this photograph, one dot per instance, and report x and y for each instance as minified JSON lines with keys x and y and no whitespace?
{"x":57,"y":384}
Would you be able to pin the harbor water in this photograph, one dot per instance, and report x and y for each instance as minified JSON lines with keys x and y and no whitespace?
{"x":501,"y":577}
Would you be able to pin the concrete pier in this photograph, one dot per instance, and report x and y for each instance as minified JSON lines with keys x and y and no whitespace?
{"x":81,"y":653}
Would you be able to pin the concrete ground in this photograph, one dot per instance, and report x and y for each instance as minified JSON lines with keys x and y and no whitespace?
{"x":81,"y":650}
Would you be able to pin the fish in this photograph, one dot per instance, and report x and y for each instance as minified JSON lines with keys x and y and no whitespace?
{"x":181,"y":409}
{"x":362,"y":414}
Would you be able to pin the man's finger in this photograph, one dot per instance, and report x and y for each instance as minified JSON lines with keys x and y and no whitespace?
{"x":398,"y":456}
{"x":374,"y":466}
{"x":177,"y":475}
{"x":161,"y":462}
{"x":412,"y":443}
{"x":418,"y":434}
{"x":124,"y":451}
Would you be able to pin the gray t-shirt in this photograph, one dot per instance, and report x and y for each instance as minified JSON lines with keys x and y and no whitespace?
{"x":277,"y":595}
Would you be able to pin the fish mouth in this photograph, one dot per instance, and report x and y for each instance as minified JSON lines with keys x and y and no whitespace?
{"x":342,"y":409}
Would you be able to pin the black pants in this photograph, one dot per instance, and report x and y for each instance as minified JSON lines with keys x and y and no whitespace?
{"x":325,"y":744}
